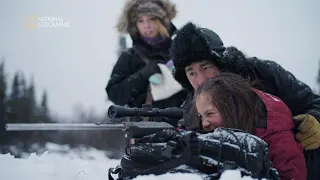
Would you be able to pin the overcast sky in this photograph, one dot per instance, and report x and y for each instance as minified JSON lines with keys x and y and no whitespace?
{"x":74,"y":63}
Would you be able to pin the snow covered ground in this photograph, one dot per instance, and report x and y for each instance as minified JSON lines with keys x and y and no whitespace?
{"x":64,"y":163}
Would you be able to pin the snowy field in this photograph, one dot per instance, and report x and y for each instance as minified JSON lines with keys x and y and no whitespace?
{"x":64,"y":163}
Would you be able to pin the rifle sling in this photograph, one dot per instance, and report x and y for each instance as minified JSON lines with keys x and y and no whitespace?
{"x":149,"y":97}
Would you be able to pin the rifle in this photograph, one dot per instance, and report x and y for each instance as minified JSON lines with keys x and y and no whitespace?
{"x":134,"y":126}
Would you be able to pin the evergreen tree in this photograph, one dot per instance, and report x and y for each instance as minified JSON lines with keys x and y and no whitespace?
{"x":13,"y":102}
{"x":30,"y":101}
{"x":3,"y":85}
{"x":23,"y":108}
{"x":44,"y":103}
{"x":15,"y":91}
{"x":3,"y":89}
{"x":3,"y":99}
{"x":23,"y":92}
{"x":44,"y":110}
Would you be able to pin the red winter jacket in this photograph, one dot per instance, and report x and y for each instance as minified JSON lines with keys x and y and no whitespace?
{"x":285,"y":153}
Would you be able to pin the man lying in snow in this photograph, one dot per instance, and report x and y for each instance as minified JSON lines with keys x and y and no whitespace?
{"x":199,"y":54}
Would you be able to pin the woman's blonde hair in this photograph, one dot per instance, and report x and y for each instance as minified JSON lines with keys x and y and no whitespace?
{"x":161,"y":29}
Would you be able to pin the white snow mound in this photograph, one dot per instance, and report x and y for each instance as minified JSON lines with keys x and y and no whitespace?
{"x":64,"y":163}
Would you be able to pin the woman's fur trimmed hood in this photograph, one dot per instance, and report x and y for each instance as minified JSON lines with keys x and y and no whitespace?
{"x":163,"y":9}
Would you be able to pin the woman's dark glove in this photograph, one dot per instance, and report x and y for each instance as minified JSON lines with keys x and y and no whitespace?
{"x":150,"y":69}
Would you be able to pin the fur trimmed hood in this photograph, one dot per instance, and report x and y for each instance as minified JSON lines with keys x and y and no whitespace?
{"x":193,"y":44}
{"x":163,"y":9}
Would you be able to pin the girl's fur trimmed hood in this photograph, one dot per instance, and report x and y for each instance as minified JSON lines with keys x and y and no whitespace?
{"x":163,"y":9}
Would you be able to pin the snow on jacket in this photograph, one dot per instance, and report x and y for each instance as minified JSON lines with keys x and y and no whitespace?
{"x":285,"y":153}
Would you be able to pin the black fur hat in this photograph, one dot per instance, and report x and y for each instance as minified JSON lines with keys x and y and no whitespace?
{"x":193,"y":44}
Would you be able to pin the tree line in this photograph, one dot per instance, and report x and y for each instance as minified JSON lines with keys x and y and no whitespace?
{"x":18,"y":104}
{"x":18,"y":100}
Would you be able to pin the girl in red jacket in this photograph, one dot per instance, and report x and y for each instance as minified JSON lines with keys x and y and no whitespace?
{"x":230,"y":101}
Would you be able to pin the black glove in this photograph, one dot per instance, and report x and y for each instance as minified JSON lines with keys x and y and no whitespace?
{"x":193,"y":141}
{"x":195,"y":145}
{"x":150,"y":69}
{"x":159,"y":137}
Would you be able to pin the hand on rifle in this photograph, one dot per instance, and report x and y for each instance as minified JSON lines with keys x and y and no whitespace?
{"x":195,"y":146}
{"x":192,"y":139}
{"x":159,"y":137}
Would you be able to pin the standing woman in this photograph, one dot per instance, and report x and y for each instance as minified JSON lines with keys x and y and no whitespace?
{"x":148,"y":22}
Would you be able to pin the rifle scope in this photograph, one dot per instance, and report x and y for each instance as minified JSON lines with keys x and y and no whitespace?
{"x":116,"y":111}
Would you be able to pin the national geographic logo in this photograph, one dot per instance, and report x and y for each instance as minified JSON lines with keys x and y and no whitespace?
{"x":33,"y":21}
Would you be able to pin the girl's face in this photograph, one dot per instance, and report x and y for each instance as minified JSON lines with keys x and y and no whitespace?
{"x":209,"y":114}
{"x":147,"y":26}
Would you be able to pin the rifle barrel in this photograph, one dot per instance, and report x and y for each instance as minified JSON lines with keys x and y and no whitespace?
{"x":61,"y":126}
